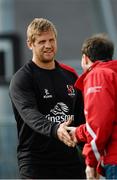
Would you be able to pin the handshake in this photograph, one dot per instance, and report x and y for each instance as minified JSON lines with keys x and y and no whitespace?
{"x":66,"y":134}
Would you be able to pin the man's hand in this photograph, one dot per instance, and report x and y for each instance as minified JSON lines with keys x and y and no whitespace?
{"x":71,"y":131}
{"x":64,"y":135}
{"x":91,"y":173}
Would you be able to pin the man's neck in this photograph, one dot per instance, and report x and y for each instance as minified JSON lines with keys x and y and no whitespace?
{"x":45,"y":65}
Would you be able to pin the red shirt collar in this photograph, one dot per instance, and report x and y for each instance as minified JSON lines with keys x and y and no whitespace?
{"x":80,"y":80}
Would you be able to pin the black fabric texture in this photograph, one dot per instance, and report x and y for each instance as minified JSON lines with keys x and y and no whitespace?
{"x":41,"y":100}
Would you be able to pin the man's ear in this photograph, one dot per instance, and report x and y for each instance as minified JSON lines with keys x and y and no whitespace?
{"x":86,"y":59}
{"x":88,"y":62}
{"x":29,"y":44}
{"x":85,"y":62}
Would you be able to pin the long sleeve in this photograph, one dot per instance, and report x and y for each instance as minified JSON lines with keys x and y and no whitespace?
{"x":100,"y":113}
{"x":99,"y":93}
{"x":81,"y":133}
{"x":24,"y":101}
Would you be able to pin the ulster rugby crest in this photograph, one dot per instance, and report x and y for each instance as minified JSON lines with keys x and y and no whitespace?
{"x":70,"y":90}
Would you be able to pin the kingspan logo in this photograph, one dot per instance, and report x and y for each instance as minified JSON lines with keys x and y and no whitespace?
{"x":60,"y":108}
{"x":59,"y":113}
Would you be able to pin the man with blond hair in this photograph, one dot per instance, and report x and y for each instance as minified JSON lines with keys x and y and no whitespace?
{"x":43,"y":97}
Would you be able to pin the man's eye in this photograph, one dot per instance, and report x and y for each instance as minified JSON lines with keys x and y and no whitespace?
{"x":41,"y":42}
{"x":51,"y":40}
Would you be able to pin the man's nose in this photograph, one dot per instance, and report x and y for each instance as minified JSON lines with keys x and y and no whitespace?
{"x":48,"y":44}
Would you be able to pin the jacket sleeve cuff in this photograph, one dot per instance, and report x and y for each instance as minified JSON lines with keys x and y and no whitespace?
{"x":54,"y":130}
{"x":80,"y":133}
{"x":90,"y":162}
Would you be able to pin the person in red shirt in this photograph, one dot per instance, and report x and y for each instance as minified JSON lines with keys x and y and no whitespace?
{"x":99,"y":87}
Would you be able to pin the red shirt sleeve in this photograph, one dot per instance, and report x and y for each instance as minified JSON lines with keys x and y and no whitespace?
{"x":99,"y":108}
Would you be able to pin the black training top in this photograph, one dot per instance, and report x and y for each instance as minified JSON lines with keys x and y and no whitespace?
{"x":41,"y":100}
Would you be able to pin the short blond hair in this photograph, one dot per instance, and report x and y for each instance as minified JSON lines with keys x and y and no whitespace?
{"x":39,"y":25}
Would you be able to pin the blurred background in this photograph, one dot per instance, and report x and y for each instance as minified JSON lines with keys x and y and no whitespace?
{"x":75,"y":20}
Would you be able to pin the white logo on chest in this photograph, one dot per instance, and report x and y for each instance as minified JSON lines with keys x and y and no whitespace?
{"x":47,"y":94}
